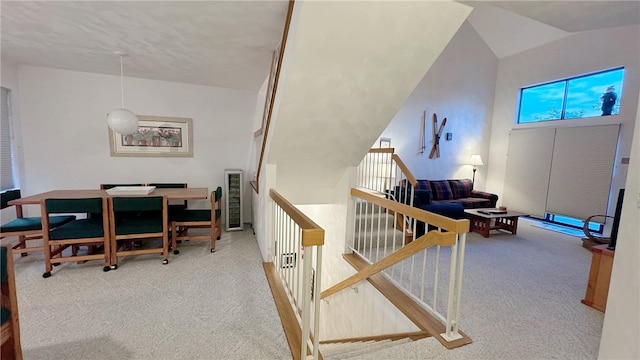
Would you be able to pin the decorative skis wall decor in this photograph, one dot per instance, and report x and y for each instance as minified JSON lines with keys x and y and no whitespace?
{"x":435,"y":150}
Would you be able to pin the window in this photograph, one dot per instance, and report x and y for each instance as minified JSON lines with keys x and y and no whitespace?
{"x":579,"y":97}
{"x":6,"y":148}
{"x":573,"y":222}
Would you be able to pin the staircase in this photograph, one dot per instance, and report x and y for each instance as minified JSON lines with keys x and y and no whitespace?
{"x":365,"y":349}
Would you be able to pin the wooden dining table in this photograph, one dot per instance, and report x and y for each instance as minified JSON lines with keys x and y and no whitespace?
{"x":171,"y":193}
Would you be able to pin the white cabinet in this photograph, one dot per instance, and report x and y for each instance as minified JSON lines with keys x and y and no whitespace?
{"x":233,"y":200}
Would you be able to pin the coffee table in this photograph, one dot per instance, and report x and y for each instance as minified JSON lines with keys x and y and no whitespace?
{"x":481,"y":220}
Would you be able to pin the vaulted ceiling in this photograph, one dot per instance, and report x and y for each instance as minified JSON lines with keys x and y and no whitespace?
{"x":229,"y":43}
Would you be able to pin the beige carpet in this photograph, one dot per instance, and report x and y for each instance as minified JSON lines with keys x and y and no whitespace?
{"x":521,"y":300}
{"x":199,"y":306}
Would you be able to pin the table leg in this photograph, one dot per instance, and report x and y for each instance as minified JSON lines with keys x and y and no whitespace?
{"x":507,"y":223}
{"x":480,"y":225}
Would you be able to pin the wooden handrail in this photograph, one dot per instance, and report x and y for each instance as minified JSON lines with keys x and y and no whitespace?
{"x":312,"y":234}
{"x":443,"y":222}
{"x":285,"y":33}
{"x":405,"y":170}
{"x":433,"y":237}
{"x":382,"y":151}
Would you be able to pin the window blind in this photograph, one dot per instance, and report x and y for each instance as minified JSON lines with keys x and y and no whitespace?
{"x":527,"y":173}
{"x":565,"y":171}
{"x":581,"y":170}
{"x":6,"y":150}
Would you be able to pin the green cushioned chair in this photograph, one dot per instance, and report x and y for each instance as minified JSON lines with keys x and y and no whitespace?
{"x":173,"y":205}
{"x":125,"y":227}
{"x":26,"y":228}
{"x":92,"y":232}
{"x":9,"y":318}
{"x":176,"y":205}
{"x":184,"y":220}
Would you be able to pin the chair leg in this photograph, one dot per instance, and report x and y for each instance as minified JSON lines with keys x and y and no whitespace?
{"x":174,"y":235}
{"x":47,"y":261}
{"x":165,"y":248}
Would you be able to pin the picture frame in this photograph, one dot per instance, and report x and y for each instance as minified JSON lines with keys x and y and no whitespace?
{"x":156,"y":136}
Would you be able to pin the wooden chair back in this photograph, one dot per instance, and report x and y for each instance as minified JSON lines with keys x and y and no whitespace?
{"x":10,"y":328}
{"x":138,"y":218}
{"x":92,"y":231}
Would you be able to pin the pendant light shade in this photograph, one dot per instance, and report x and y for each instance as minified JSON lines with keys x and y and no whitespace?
{"x":121,"y":120}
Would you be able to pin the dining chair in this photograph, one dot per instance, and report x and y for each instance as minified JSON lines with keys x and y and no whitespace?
{"x":91,"y":231}
{"x":149,"y":227}
{"x":9,"y":317}
{"x":175,"y":205}
{"x":111,"y":186}
{"x":198,"y":218}
{"x":26,"y":228}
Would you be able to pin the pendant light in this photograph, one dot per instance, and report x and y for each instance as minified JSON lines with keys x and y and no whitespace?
{"x":121,"y":120}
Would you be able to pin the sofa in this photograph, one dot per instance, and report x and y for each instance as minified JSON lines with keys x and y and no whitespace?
{"x":445,"y":197}
{"x":459,"y":191}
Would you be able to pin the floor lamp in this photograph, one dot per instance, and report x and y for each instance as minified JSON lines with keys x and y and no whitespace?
{"x":476,"y":161}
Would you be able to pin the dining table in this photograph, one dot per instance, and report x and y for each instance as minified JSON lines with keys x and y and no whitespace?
{"x":170,"y":193}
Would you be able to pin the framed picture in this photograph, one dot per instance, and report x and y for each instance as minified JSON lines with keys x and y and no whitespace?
{"x":156,"y":136}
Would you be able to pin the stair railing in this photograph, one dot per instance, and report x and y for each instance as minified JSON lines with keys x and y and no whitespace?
{"x":382,"y":170}
{"x":274,"y":77}
{"x":298,"y":262}
{"x":416,"y":267}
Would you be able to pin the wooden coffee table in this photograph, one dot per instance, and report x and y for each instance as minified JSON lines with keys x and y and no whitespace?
{"x":481,"y":220}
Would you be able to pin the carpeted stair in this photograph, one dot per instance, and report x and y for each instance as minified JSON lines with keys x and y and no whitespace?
{"x":355,"y":349}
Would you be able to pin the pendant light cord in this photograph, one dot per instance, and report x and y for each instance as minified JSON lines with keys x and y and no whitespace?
{"x":121,"y":81}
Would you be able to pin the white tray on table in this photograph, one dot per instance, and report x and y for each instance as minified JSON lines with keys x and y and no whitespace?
{"x":131,"y":190}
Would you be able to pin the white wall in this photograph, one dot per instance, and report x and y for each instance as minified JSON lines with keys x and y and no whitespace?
{"x":577,"y":54}
{"x":66,"y":138}
{"x":459,"y":86}
{"x":621,"y":328}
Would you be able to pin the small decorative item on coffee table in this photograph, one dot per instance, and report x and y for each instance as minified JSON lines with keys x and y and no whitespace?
{"x":481,"y":220}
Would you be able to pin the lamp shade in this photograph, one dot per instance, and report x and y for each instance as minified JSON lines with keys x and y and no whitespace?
{"x":476,"y":160}
{"x":122,"y":121}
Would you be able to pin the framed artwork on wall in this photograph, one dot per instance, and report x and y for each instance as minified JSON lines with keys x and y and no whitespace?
{"x":156,"y":136}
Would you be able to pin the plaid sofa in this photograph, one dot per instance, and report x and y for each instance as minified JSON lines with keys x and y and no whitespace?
{"x":460,"y":191}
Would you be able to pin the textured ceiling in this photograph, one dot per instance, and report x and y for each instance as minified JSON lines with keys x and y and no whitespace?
{"x":573,"y":16}
{"x":229,"y":43}
{"x":218,"y":43}
{"x":509,"y":27}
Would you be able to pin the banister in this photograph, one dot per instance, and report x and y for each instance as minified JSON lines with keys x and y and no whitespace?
{"x":433,"y":237}
{"x":443,"y":222}
{"x":285,"y":33}
{"x":312,"y":234}
{"x":382,"y":151}
{"x":405,"y":170}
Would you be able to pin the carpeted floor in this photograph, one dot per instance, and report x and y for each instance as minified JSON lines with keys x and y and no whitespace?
{"x":199,"y":306}
{"x":521,"y":300}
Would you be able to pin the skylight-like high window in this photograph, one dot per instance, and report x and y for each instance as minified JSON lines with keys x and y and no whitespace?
{"x":583,"y":96}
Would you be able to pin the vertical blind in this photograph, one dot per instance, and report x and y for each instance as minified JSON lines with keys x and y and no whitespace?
{"x":564,"y":171}
{"x":6,"y":152}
